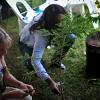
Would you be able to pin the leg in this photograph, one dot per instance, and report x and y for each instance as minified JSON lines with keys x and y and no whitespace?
{"x":25,"y":98}
{"x":24,"y":49}
{"x":11,"y":88}
{"x":60,"y":54}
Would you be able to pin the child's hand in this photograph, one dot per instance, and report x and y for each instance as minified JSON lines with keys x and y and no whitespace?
{"x":27,"y":88}
{"x":31,"y":90}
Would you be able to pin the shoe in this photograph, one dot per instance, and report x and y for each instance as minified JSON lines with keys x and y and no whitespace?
{"x":62,"y":66}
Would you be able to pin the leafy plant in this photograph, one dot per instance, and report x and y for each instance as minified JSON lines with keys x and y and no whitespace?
{"x":79,"y":25}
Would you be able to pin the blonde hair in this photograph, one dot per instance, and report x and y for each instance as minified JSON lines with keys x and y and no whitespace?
{"x":5,"y":38}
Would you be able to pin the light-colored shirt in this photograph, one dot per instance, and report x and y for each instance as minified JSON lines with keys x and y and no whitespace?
{"x":25,"y":36}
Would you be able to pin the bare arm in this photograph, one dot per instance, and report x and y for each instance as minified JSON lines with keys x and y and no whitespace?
{"x":10,"y":80}
{"x":8,"y":77}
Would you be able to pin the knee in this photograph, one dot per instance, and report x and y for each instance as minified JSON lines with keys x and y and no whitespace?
{"x":72,"y":36}
{"x":70,"y":39}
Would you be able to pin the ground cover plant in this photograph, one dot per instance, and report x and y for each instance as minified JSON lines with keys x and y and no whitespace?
{"x":74,"y":84}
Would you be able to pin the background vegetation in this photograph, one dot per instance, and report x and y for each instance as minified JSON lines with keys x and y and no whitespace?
{"x":74,"y":84}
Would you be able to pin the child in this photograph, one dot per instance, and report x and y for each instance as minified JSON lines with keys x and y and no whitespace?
{"x":10,"y":87}
{"x":34,"y":40}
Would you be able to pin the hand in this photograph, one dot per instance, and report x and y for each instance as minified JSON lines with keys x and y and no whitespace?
{"x":53,"y":85}
{"x":27,"y":88}
{"x":31,"y":90}
{"x":54,"y":88}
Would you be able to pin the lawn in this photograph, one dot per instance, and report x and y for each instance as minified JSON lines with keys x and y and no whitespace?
{"x":74,"y":84}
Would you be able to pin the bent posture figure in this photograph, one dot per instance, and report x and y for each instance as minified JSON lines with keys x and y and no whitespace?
{"x":34,"y":40}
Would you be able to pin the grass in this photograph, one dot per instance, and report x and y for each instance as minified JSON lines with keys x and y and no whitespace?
{"x":74,"y":84}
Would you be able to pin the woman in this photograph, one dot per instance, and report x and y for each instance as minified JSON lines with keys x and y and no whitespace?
{"x":34,"y":39}
{"x":10,"y":87}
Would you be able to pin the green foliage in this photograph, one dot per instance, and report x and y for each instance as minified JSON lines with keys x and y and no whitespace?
{"x":35,"y":3}
{"x":79,"y":25}
{"x":75,"y":86}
